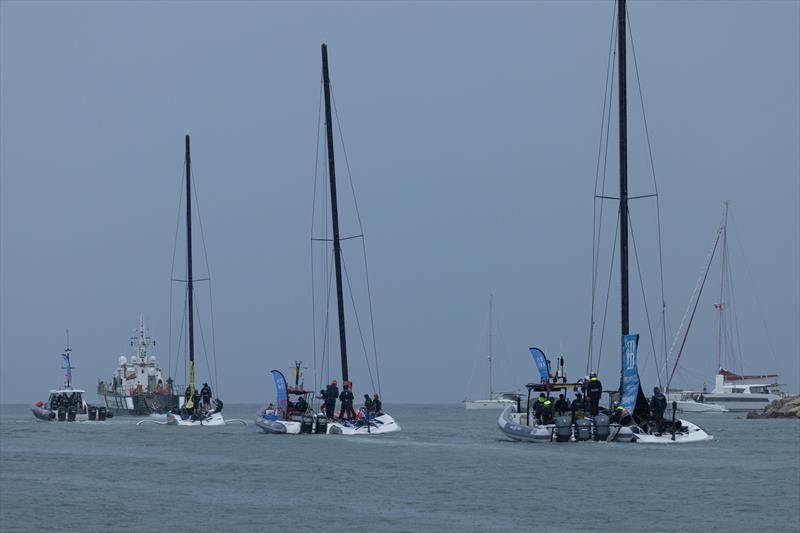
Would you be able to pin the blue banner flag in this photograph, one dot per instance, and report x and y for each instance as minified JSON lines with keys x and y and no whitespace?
{"x":66,"y":365}
{"x":280,"y":386}
{"x":541,"y":363}
{"x":630,"y":373}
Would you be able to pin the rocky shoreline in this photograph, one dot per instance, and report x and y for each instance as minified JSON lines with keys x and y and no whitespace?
{"x":787,"y":407}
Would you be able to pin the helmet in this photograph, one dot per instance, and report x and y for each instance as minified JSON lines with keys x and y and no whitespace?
{"x":619,"y":407}
{"x":333,"y":382}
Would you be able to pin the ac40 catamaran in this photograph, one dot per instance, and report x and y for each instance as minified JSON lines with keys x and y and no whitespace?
{"x":283,"y":420}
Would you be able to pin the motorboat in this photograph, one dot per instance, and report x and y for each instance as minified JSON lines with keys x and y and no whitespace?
{"x":138,"y":386}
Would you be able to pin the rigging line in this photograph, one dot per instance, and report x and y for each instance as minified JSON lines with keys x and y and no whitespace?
{"x":608,"y":291}
{"x":655,"y":184}
{"x":694,"y":309}
{"x":347,"y":163}
{"x":758,"y":303}
{"x":595,"y":236}
{"x":172,"y":266}
{"x":180,"y":339}
{"x":735,"y":324}
{"x":358,"y":323}
{"x":208,"y":272}
{"x":205,"y":350}
{"x":313,"y":217}
{"x":371,"y":316}
{"x":644,"y":297}
{"x":340,"y":238}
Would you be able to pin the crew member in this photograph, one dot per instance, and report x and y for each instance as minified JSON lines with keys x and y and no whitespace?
{"x":537,"y":407}
{"x":346,"y":398}
{"x":621,"y":415}
{"x":562,"y":406}
{"x":368,"y":403}
{"x":594,"y":390}
{"x":302,"y":405}
{"x":205,"y":394}
{"x":547,"y":411}
{"x":578,"y":407}
{"x":658,"y":404}
{"x":377,"y":405}
{"x":331,"y":394}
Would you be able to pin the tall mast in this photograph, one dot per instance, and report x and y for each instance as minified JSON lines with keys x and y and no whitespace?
{"x":721,"y":305}
{"x":491,"y":387}
{"x":623,"y":177}
{"x":189,"y":287}
{"x":337,"y":250}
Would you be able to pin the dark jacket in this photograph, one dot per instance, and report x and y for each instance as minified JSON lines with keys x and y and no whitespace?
{"x":331,"y":394}
{"x":594,"y":389}
{"x":346,"y":396}
{"x":658,"y":403}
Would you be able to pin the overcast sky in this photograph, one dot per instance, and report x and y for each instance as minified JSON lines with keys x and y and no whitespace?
{"x":472,"y":131}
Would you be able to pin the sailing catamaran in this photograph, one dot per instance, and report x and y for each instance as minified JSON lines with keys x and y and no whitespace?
{"x":192,"y":412}
{"x":283,"y":421}
{"x":521,"y":426}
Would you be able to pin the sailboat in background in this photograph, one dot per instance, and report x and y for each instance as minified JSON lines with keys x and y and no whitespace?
{"x":633,"y":403}
{"x":499,"y":400}
{"x":732,"y":391}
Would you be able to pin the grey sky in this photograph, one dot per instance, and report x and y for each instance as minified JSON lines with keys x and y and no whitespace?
{"x":472,"y":131}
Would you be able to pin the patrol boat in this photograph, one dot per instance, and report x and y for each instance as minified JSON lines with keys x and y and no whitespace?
{"x":189,"y":412}
{"x":138,"y":386}
{"x":281,"y":419}
{"x":68,"y":404}
{"x":637,"y":425}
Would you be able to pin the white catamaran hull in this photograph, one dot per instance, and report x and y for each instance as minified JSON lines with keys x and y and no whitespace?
{"x":690,"y":406}
{"x":377,"y":426}
{"x":214,"y":419}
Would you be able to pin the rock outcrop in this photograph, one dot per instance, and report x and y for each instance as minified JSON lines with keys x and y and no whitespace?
{"x":787,"y":407}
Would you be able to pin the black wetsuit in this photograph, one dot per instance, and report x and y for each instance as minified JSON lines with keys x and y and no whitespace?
{"x":658,"y":403}
{"x":377,"y":406}
{"x":205,"y":393}
{"x":331,"y":394}
{"x":562,"y":406}
{"x":346,"y":397}
{"x":594,"y":390}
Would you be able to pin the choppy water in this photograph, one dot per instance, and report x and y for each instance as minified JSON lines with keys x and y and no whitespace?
{"x":449,"y":470}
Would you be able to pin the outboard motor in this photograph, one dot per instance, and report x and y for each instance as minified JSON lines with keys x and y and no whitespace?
{"x":601,"y":427}
{"x":583,"y":429}
{"x":563,"y":429}
{"x":92,"y":410}
{"x":306,"y":424}
{"x":71,"y":414}
{"x":101,"y":413}
{"x":322,"y":424}
{"x":62,"y":414}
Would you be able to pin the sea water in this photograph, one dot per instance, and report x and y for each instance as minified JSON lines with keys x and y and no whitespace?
{"x":448,"y":470}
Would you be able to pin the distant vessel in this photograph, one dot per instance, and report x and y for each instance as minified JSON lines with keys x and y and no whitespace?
{"x":138,"y":386}
{"x":496,"y":400}
{"x":732,"y":391}
{"x":68,"y":404}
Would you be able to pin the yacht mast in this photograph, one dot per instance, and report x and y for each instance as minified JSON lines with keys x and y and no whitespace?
{"x":189,"y":286}
{"x":721,"y":305}
{"x":623,"y":178}
{"x":491,"y":386}
{"x":337,"y":250}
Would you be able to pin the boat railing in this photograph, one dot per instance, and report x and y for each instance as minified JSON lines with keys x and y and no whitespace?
{"x":164,"y":390}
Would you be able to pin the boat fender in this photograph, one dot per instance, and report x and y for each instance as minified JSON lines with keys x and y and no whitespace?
{"x":602,"y":427}
{"x":563,"y":429}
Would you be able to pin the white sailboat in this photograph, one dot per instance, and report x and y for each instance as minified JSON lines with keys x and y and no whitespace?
{"x":496,"y":400}
{"x":282,"y":420}
{"x":192,"y":411}
{"x":732,"y":391}
{"x":635,"y":423}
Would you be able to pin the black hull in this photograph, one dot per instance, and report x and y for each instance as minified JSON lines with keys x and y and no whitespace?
{"x":140,"y":404}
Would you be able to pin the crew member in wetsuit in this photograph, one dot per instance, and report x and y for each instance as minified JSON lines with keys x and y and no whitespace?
{"x":578,"y":407}
{"x":301,"y":405}
{"x":331,"y":394}
{"x":538,"y":406}
{"x":658,"y":404}
{"x":346,"y":397}
{"x":368,"y":404}
{"x":562,"y":406}
{"x":205,"y":394}
{"x":547,"y":411}
{"x":594,"y":390}
{"x":621,"y":416}
{"x":377,"y":406}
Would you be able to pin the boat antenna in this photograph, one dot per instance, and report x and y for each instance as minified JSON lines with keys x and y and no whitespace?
{"x":623,"y":180}
{"x":491,"y":386}
{"x":67,"y":365}
{"x":337,"y":248}
{"x":189,"y":285}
